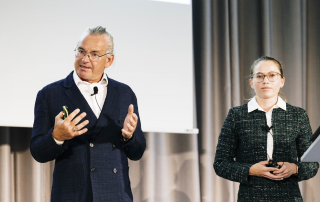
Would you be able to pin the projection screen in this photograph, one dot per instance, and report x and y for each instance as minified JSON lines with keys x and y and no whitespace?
{"x":153,"y":55}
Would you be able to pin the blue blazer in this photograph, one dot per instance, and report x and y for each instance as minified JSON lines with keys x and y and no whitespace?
{"x":94,"y":165}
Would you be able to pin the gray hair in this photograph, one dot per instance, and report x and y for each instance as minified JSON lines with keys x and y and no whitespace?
{"x":98,"y":31}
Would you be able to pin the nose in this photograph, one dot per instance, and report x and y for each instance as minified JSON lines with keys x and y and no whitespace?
{"x":265,"y":79}
{"x":85,"y":58}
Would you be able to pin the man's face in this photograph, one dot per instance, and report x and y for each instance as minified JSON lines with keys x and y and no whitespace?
{"x":88,"y":70}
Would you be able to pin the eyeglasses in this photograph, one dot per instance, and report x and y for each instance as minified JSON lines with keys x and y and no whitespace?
{"x":272,"y":76}
{"x":93,"y":56}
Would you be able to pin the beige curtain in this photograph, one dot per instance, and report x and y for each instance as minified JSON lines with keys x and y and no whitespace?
{"x":228,"y":36}
{"x":21,"y":177}
{"x":168,"y":170}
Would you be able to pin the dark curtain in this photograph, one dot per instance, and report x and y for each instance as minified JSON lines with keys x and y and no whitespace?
{"x":228,"y":36}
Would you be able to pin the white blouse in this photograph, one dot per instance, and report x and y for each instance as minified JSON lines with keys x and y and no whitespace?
{"x":253,"y":105}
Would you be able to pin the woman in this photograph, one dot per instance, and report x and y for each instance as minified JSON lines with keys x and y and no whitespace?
{"x":266,"y":128}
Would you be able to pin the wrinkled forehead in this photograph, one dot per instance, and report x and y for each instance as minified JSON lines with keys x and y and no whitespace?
{"x":266,"y":66}
{"x":92,"y":42}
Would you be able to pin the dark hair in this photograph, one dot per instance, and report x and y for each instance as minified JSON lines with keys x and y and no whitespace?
{"x":267,"y":58}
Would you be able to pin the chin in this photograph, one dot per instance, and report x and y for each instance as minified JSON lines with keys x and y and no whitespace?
{"x":267,"y":96}
{"x":83,"y":75}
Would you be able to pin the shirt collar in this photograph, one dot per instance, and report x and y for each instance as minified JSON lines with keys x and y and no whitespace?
{"x":78,"y":81}
{"x":253,"y":105}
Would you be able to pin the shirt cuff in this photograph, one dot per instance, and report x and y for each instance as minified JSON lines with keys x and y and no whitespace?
{"x":58,"y":142}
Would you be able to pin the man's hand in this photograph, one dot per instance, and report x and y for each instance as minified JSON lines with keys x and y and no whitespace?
{"x":68,"y":128}
{"x":261,"y":170}
{"x":286,"y":170}
{"x":130,"y":123}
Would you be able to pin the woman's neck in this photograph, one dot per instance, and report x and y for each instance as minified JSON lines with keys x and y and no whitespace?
{"x":266,"y":104}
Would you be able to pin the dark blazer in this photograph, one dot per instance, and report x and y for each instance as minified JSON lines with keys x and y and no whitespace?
{"x":83,"y":171}
{"x":243,"y":142}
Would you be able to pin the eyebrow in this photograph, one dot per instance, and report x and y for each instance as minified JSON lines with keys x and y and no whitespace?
{"x":85,"y":50}
{"x":268,"y":72}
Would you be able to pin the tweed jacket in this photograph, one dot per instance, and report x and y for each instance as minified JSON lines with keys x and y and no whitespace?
{"x":94,"y":165}
{"x":243,"y":142}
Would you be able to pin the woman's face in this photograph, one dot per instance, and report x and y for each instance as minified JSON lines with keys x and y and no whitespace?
{"x":267,"y":89}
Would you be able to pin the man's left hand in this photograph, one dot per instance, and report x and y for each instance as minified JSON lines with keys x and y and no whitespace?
{"x":130,"y":123}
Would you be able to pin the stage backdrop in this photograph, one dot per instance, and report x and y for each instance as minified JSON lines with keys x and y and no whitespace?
{"x":153,"y":54}
{"x":228,"y":36}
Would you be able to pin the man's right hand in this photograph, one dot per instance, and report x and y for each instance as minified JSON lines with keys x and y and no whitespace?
{"x":68,"y":128}
{"x":261,"y":170}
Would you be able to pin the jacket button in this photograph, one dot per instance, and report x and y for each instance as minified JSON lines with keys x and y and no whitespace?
{"x":92,"y":169}
{"x":119,"y":121}
{"x":113,"y":146}
{"x":114,"y":170}
{"x":91,"y":144}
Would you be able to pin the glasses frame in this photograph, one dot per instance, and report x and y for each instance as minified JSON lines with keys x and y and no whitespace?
{"x":86,"y":53}
{"x":266,"y":75}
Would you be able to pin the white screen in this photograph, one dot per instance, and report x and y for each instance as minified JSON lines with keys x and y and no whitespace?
{"x":176,"y":1}
{"x":153,"y":51}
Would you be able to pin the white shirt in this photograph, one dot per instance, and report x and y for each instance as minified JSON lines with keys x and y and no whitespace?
{"x":86,"y":90}
{"x":253,"y":105}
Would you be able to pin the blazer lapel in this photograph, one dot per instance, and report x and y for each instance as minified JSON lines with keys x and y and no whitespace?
{"x":77,"y":99}
{"x":108,"y":107}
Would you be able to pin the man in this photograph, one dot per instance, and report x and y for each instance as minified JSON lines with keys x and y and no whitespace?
{"x":90,"y":148}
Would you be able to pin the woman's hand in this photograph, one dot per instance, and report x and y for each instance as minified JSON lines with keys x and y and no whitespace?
{"x":261,"y":170}
{"x":286,"y":170}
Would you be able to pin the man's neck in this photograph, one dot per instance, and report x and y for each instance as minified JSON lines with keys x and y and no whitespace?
{"x":91,"y":81}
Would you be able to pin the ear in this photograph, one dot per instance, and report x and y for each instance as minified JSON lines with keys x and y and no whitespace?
{"x":282,"y":82}
{"x":251,"y":84}
{"x":109,"y":61}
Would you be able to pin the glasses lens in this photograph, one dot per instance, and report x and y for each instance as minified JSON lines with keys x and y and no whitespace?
{"x":259,"y":77}
{"x":79,"y":53}
{"x":272,"y":76}
{"x":93,"y":56}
